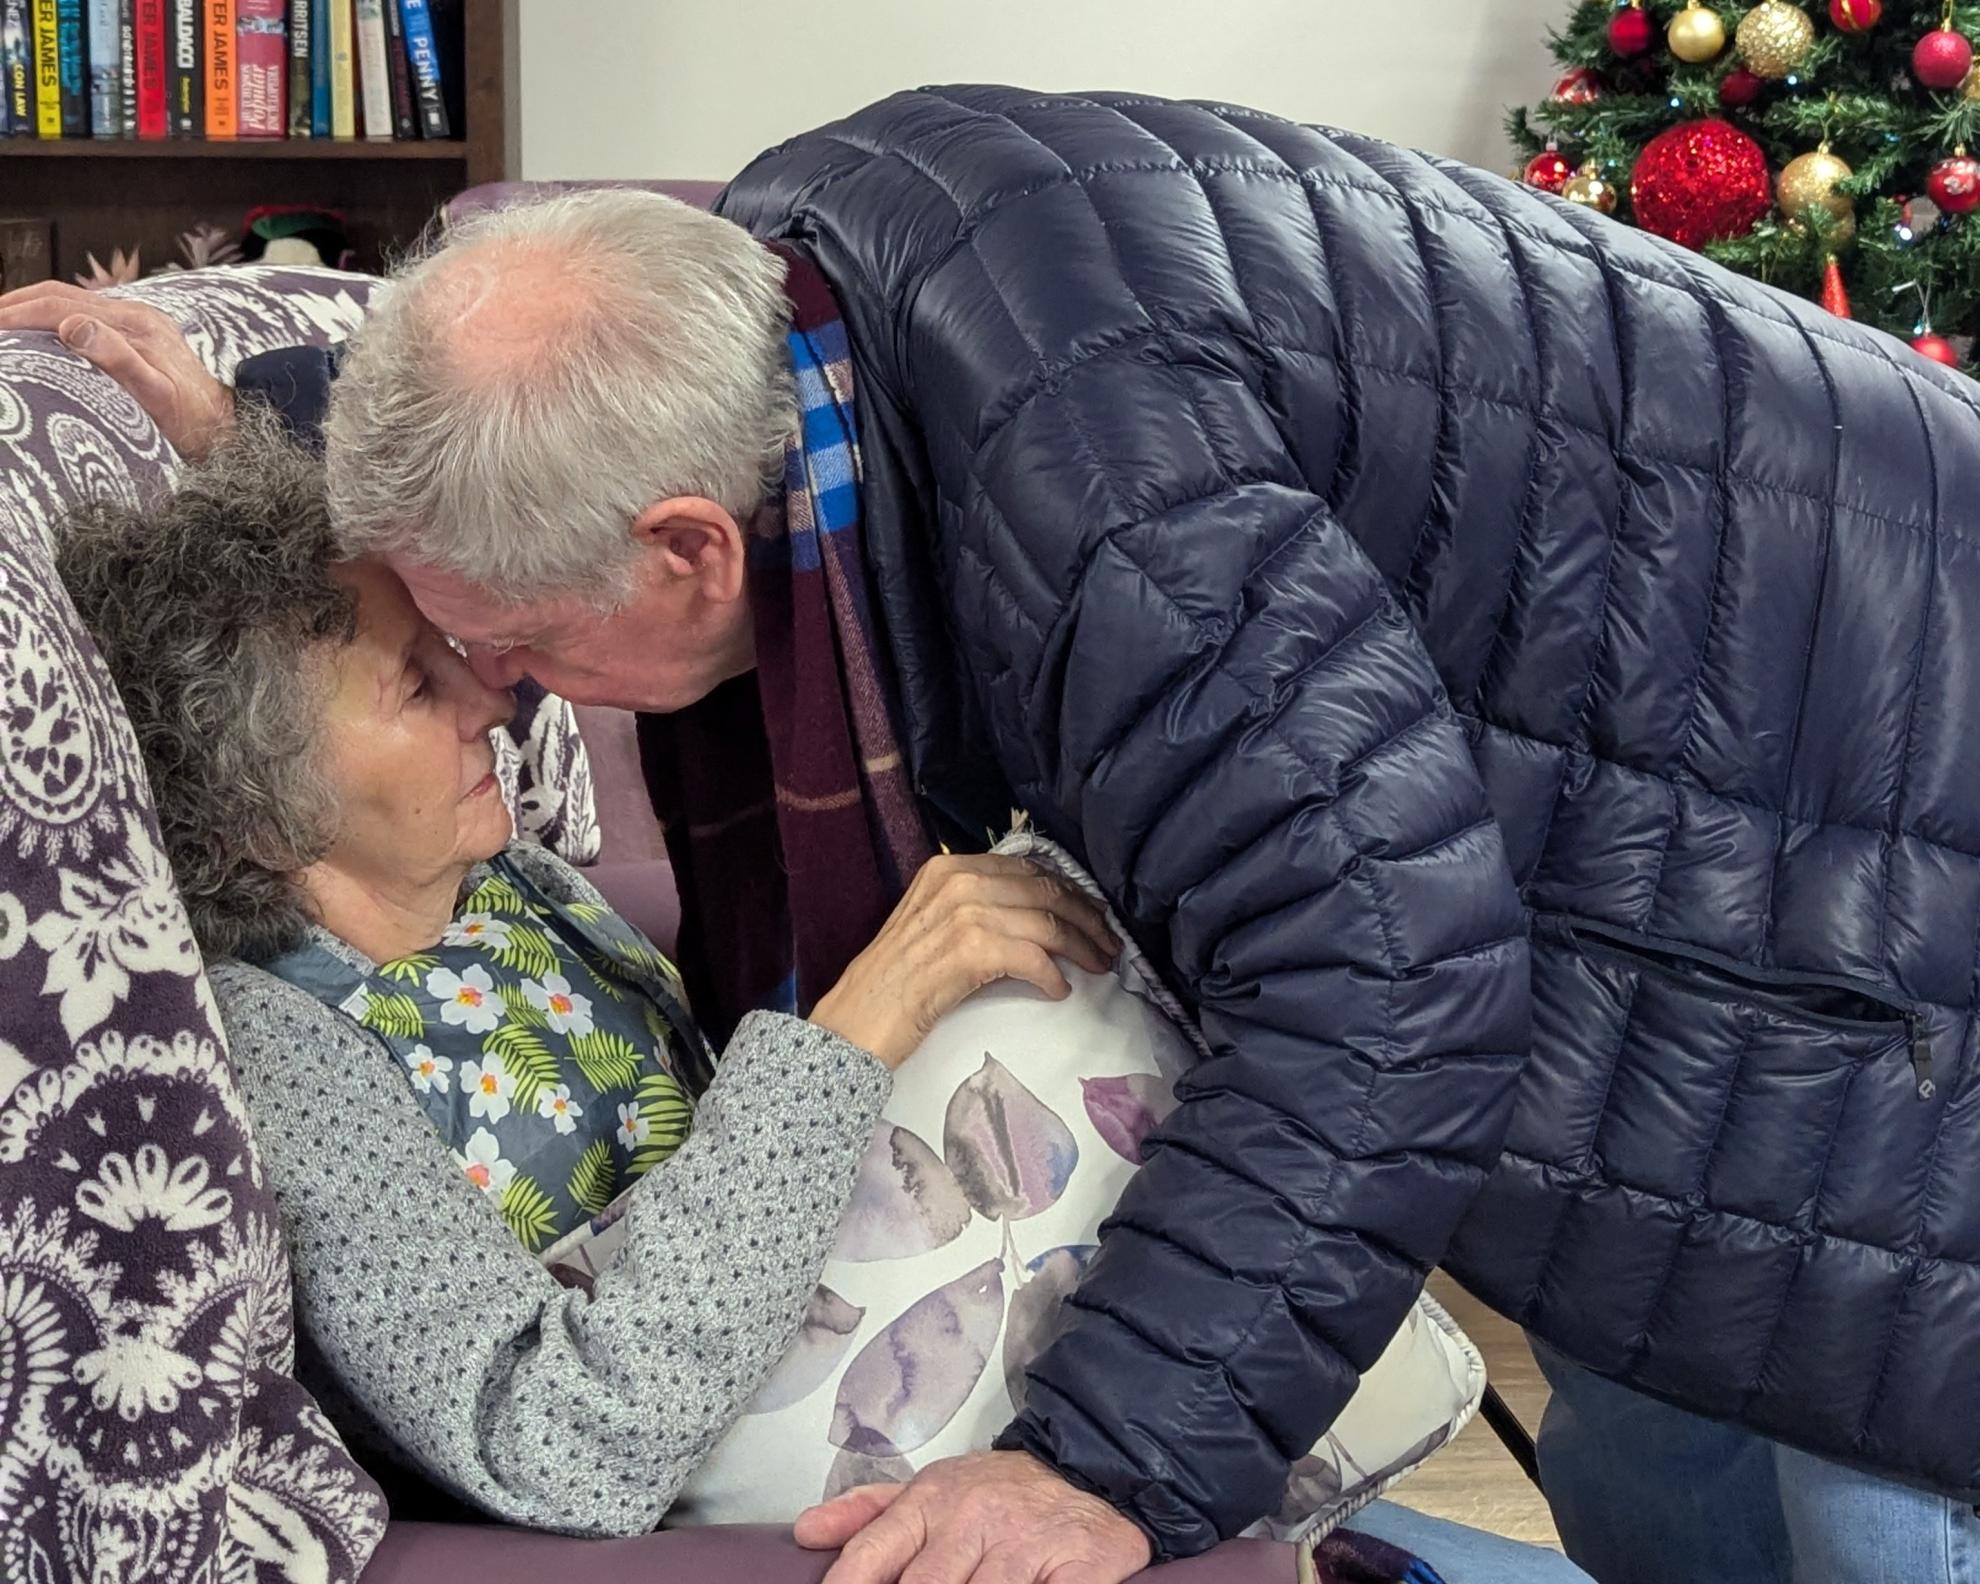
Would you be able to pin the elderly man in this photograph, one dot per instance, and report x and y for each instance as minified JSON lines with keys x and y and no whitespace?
{"x":1353,"y":558}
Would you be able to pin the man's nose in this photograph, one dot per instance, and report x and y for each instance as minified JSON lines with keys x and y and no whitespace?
{"x":494,"y":668}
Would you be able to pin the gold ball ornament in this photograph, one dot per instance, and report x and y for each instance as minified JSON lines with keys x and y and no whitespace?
{"x":1696,"y":34}
{"x":1971,"y":88}
{"x":1774,"y":38}
{"x":1591,"y":189}
{"x":1807,"y":186}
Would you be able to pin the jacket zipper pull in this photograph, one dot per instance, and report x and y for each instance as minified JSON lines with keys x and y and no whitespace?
{"x":1921,"y":1057}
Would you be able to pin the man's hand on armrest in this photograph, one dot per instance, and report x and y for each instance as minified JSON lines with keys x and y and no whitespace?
{"x":987,"y":1518}
{"x":141,"y":349}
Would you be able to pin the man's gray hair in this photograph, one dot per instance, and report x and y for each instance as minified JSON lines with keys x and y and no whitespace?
{"x":520,"y":393}
{"x":215,"y":611}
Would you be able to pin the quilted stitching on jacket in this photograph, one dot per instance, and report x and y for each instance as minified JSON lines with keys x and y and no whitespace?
{"x":1214,"y":457}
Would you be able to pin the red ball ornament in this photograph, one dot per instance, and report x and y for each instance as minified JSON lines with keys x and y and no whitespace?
{"x":1954,"y":184}
{"x":1855,"y":16}
{"x":1941,"y":59}
{"x":1630,"y":32}
{"x":1739,"y":88}
{"x":1935,"y":347}
{"x":1548,"y":170}
{"x":1699,"y":182}
{"x":1577,"y":86}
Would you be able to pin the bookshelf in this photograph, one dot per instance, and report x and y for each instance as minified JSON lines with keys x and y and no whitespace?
{"x":102,"y":193}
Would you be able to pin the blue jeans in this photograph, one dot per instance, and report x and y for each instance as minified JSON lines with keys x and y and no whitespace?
{"x":1644,"y":1493}
{"x":1462,"y":1555}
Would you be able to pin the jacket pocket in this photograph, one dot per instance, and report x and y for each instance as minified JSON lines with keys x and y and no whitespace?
{"x":1866,"y":1015}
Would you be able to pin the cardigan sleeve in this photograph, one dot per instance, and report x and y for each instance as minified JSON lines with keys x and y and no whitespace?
{"x":540,"y":1404}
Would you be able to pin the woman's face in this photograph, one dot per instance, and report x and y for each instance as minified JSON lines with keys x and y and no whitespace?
{"x":408,"y":749}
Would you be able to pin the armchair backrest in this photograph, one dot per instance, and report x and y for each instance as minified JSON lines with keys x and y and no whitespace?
{"x":147,"y":1409}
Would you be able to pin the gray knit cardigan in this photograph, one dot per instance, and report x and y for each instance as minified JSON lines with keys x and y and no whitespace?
{"x":429,"y":1332}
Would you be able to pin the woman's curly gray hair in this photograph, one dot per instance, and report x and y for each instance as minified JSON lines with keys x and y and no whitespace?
{"x":215,"y":609}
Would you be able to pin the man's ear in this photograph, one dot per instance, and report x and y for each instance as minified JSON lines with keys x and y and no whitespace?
{"x":696,"y":539}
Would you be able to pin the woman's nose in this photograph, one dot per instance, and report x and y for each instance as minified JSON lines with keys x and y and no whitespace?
{"x":486,"y":709}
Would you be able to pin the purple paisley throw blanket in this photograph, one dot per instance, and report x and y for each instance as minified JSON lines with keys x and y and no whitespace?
{"x":150,"y":1429}
{"x":790,"y":822}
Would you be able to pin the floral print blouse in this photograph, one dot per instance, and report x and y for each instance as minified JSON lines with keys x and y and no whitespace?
{"x":547,"y":1042}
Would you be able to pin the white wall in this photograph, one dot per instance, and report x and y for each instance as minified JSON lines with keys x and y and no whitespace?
{"x":693,"y":88}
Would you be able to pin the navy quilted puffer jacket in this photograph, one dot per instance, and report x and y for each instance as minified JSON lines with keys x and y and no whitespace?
{"x":1323,"y":541}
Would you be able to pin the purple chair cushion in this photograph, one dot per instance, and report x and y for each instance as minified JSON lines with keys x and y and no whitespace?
{"x":150,"y":1421}
{"x":419,"y":1553}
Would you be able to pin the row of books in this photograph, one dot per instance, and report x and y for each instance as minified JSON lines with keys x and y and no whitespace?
{"x":228,"y":68}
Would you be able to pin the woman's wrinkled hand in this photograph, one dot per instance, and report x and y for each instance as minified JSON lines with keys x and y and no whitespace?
{"x":138,"y":347}
{"x":964,"y":923}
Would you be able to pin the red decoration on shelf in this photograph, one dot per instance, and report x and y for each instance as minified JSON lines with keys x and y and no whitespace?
{"x":1954,"y":184}
{"x":1630,"y":32}
{"x":1855,"y":16}
{"x":1941,"y":59}
{"x":1935,"y":347}
{"x":1577,"y":86}
{"x":1835,"y":297}
{"x":1699,"y":182}
{"x":1548,"y":170}
{"x":1739,"y":88}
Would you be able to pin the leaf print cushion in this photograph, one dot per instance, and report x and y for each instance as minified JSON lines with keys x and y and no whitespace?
{"x":1009,"y":1137}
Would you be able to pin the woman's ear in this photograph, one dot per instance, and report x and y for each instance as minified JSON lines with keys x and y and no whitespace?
{"x":699,"y":540}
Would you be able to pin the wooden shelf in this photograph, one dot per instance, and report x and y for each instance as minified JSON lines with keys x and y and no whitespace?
{"x":100,"y":195}
{"x":242,"y":148}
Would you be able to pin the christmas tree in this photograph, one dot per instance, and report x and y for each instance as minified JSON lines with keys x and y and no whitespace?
{"x":1825,"y":150}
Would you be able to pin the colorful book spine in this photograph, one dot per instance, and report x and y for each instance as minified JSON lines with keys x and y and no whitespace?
{"x":261,"y":68}
{"x":47,"y":71}
{"x":151,"y":68}
{"x":405,"y":124}
{"x":17,"y":66}
{"x":343,"y":71}
{"x":72,"y":63}
{"x":222,"y":87}
{"x":106,"y":87}
{"x":185,"y":104}
{"x":374,"y":76}
{"x":319,"y":68}
{"x":127,"y":62}
{"x":424,"y":60}
{"x":298,"y":68}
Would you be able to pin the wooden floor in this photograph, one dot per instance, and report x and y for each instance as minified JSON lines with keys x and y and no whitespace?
{"x":1474,"y":1480}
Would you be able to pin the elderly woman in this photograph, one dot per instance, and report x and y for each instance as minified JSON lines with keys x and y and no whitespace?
{"x":463,"y":1068}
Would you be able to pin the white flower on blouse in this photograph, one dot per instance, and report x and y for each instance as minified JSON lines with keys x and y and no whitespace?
{"x":478,"y":929}
{"x":633,"y":1127}
{"x":429,"y":1072}
{"x":566,"y":1012}
{"x":483,"y":1163}
{"x":560,"y":1108}
{"x":488,"y":1081}
{"x":468,"y":1000}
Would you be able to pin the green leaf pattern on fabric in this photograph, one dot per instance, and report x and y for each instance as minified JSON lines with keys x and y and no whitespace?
{"x":593,"y":1178}
{"x":411,"y":970}
{"x":497,"y":893}
{"x":531,"y":1065}
{"x":532,"y":1044}
{"x":665,"y":1113}
{"x":396,"y":1015}
{"x":527,"y":1210}
{"x":609,"y":1061}
{"x":528,"y":951}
